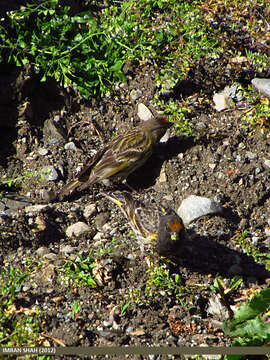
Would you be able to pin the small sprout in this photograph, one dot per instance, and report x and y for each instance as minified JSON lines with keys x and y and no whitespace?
{"x":174,"y":237}
{"x":75,"y":310}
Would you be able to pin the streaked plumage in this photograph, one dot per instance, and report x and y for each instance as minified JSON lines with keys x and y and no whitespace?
{"x":152,"y":223}
{"x":123,"y":154}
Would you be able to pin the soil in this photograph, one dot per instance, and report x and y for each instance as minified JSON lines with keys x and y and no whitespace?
{"x":221,"y":160}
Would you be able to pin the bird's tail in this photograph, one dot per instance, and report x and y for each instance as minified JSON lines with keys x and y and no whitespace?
{"x":118,"y":197}
{"x":68,"y":189}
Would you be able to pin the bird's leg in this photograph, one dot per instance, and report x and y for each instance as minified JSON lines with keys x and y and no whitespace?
{"x":125,"y":183}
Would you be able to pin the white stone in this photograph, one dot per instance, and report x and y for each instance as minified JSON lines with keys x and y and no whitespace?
{"x":251,"y":156}
{"x":221,"y":101}
{"x":135,"y":94}
{"x":267,"y":163}
{"x":43,"y":151}
{"x":77,"y":229}
{"x":37,"y":208}
{"x":70,"y":146}
{"x":67,"y":249}
{"x":89,"y":210}
{"x":194,"y":207}
{"x":212,"y":165}
{"x":217,"y":309}
{"x":49,"y":173}
{"x":143,"y":112}
{"x":263,"y":85}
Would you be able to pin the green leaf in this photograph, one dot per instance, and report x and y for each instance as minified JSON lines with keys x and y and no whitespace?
{"x":219,"y":284}
{"x":235,"y":283}
{"x":234,"y":357}
{"x":43,"y":78}
{"x":25,"y":61}
{"x":257,"y":305}
{"x":85,"y":267}
{"x":116,"y":66}
{"x":254,"y":328}
{"x":78,"y":37}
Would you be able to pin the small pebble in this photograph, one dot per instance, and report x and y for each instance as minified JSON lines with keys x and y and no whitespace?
{"x":67,"y":249}
{"x":77,"y":229}
{"x":89,"y":210}
{"x":221,"y":101}
{"x":70,"y":146}
{"x":41,"y":251}
{"x":262,"y":85}
{"x":50,"y":256}
{"x":98,"y":236}
{"x":257,"y":171}
{"x":37,"y":208}
{"x":168,"y":197}
{"x":241,"y":146}
{"x":267,"y":163}
{"x":53,"y":141}
{"x":43,"y":151}
{"x":254,"y":240}
{"x":135,"y":94}
{"x":212,"y":166}
{"x":251,"y":156}
{"x":238,"y":158}
{"x":144,"y":113}
{"x":49,"y":173}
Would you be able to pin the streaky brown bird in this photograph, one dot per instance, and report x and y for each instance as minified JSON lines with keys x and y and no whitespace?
{"x":152,"y":223}
{"x":121,"y":156}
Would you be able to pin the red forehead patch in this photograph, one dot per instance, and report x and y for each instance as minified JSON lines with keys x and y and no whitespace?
{"x":176,"y":226}
{"x":163,"y":119}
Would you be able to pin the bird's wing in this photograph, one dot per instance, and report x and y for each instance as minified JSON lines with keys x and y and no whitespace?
{"x":121,"y":155}
{"x":136,"y":142}
{"x":85,"y":172}
{"x":146,"y":220}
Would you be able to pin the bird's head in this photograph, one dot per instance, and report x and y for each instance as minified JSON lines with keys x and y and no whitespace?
{"x":157,"y":126}
{"x":171,"y":235}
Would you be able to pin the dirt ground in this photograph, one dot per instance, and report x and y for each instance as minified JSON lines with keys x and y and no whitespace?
{"x":221,"y":160}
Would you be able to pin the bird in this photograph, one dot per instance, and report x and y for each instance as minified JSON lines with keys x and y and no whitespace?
{"x":121,"y":156}
{"x":152,"y":223}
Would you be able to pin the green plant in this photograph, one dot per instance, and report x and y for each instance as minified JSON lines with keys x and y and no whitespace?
{"x":103,"y":250}
{"x":75,"y":310}
{"x":14,"y":180}
{"x":260,"y":61}
{"x":250,"y":325}
{"x":11,"y":280}
{"x":124,"y":307}
{"x":18,"y":325}
{"x":220,"y":287}
{"x":257,"y":116}
{"x":263,"y":258}
{"x":87,"y":49}
{"x":159,"y":283}
{"x":80,"y":270}
{"x":77,"y":49}
{"x":245,"y":243}
{"x":160,"y":280}
{"x":178,"y":115}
